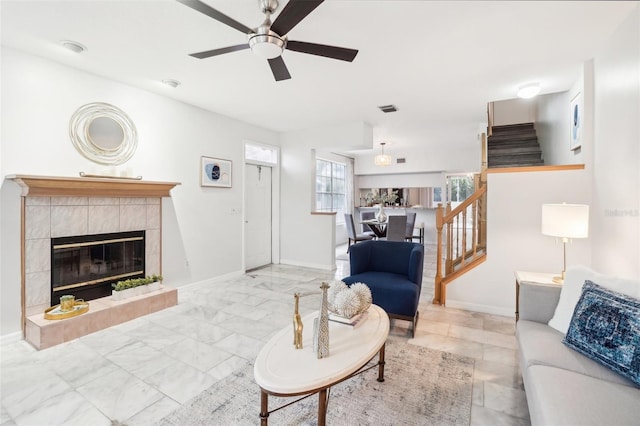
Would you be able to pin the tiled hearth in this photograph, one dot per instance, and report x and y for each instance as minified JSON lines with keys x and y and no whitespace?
{"x":103,"y":313}
{"x":59,"y":207}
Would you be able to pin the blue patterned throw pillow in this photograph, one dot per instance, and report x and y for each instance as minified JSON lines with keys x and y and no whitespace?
{"x":606,"y":328}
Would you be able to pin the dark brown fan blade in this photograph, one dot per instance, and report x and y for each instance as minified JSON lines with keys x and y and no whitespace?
{"x":294,"y":12}
{"x":333,"y":52}
{"x":216,"y":52}
{"x":279,"y":69}
{"x":218,"y":16}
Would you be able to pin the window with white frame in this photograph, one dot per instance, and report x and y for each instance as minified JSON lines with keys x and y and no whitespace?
{"x":331,"y":186}
{"x":260,"y":154}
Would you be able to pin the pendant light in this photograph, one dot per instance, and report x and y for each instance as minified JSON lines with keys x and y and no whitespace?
{"x":382,"y":159}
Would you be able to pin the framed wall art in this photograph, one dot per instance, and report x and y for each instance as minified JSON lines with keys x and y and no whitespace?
{"x":576,"y":118}
{"x":215,"y":172}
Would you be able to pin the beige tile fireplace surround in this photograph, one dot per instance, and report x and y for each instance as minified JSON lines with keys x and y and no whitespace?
{"x":57,"y":207}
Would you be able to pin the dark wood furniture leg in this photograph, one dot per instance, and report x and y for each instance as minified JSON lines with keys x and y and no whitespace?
{"x":264,"y":408}
{"x":381,"y":364}
{"x":322,"y":407}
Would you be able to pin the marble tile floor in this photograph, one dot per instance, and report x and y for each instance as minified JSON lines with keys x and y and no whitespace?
{"x":138,"y":372}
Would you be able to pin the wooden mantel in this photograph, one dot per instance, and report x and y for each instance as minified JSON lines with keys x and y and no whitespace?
{"x":53,"y":186}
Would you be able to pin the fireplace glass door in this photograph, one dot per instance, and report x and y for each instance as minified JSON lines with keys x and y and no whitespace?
{"x":86,"y":266}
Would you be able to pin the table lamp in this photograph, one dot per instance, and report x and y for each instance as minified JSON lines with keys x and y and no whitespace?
{"x":565,"y":221}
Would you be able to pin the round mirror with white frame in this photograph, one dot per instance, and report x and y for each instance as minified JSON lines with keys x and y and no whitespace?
{"x":103,"y":133}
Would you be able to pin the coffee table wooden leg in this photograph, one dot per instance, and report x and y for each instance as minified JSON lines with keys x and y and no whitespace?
{"x":381,"y":364}
{"x":322,"y":407}
{"x":264,"y":408}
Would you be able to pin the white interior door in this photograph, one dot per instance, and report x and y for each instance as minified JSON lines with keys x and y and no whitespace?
{"x":257,"y":219}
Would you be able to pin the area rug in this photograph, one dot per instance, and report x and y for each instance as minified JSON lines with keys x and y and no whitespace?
{"x":422,"y":387}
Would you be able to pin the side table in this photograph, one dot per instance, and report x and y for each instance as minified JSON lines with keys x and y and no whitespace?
{"x":535,"y":278}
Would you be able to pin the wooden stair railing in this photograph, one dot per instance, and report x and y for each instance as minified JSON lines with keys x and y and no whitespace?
{"x":462,"y":233}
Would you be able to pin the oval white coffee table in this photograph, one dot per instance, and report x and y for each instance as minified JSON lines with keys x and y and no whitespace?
{"x":282,"y":370}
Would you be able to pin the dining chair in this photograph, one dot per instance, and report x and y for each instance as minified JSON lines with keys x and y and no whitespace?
{"x":396,"y":228}
{"x":351,"y":231}
{"x":411,"y":222}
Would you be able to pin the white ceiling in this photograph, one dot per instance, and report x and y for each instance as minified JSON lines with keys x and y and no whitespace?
{"x":439,"y":62}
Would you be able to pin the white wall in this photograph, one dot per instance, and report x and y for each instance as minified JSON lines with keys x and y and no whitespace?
{"x":460,"y":158}
{"x":514,"y":238}
{"x":615,"y":213}
{"x":552,"y":128}
{"x":202,"y":237}
{"x":402,"y":180}
{"x":309,"y":239}
{"x":10,"y":262}
{"x":514,"y":111}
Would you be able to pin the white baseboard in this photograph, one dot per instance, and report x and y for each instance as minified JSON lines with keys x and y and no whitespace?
{"x":325,"y":267}
{"x":213,"y":279}
{"x":476,"y":307}
{"x":10,"y":338}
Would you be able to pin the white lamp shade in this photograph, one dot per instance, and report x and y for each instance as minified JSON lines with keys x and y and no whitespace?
{"x":565,"y":220}
{"x":382,"y":160}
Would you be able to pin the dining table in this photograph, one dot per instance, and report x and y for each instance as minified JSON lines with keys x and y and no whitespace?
{"x":379,"y":228}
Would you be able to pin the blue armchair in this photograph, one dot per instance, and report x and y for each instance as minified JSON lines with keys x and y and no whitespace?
{"x":393,"y":272}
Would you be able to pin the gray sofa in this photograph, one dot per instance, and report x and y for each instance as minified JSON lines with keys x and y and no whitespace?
{"x":564,"y":387}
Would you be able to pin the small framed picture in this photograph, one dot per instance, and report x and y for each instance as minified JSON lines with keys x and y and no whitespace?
{"x":215,"y":172}
{"x":576,"y":125}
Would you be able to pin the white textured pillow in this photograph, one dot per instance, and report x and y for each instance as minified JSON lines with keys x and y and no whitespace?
{"x":572,"y":289}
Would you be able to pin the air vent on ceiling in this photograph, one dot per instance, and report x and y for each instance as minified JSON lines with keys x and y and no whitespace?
{"x":388,"y":108}
{"x":401,"y":160}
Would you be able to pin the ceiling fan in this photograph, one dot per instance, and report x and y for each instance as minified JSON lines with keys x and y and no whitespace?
{"x":269,"y":40}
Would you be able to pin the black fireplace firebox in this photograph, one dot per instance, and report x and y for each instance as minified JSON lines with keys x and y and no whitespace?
{"x":86,"y":266}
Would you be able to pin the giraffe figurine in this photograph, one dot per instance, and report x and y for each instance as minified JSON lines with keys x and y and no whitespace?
{"x":297,"y":324}
{"x":321,"y":326}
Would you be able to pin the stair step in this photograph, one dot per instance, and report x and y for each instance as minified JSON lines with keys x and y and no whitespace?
{"x":516,"y":159}
{"x":512,"y":127}
{"x":510,"y":166}
{"x":512,"y":137}
{"x":499,"y":152}
{"x":514,"y":144}
{"x":516,"y":163}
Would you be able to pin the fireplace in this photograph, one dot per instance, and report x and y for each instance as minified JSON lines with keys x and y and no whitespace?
{"x":93,"y":209}
{"x":86,"y":266}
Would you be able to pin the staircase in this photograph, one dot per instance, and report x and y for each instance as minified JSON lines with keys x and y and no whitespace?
{"x":461,"y":234}
{"x":514,"y":145}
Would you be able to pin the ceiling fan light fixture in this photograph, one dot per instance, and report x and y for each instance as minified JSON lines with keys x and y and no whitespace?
{"x":528,"y":90}
{"x":382,"y":159}
{"x":267,"y":46}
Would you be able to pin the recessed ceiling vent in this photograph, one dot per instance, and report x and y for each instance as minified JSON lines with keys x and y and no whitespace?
{"x":401,"y":160}
{"x":388,"y":108}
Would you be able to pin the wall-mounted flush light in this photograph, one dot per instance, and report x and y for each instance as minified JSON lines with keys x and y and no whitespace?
{"x":73,"y":46}
{"x":528,"y":90}
{"x":171,"y":83}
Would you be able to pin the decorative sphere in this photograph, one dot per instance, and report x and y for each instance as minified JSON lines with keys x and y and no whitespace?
{"x":335,"y":288}
{"x":364,"y":295}
{"x":347,"y":303}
